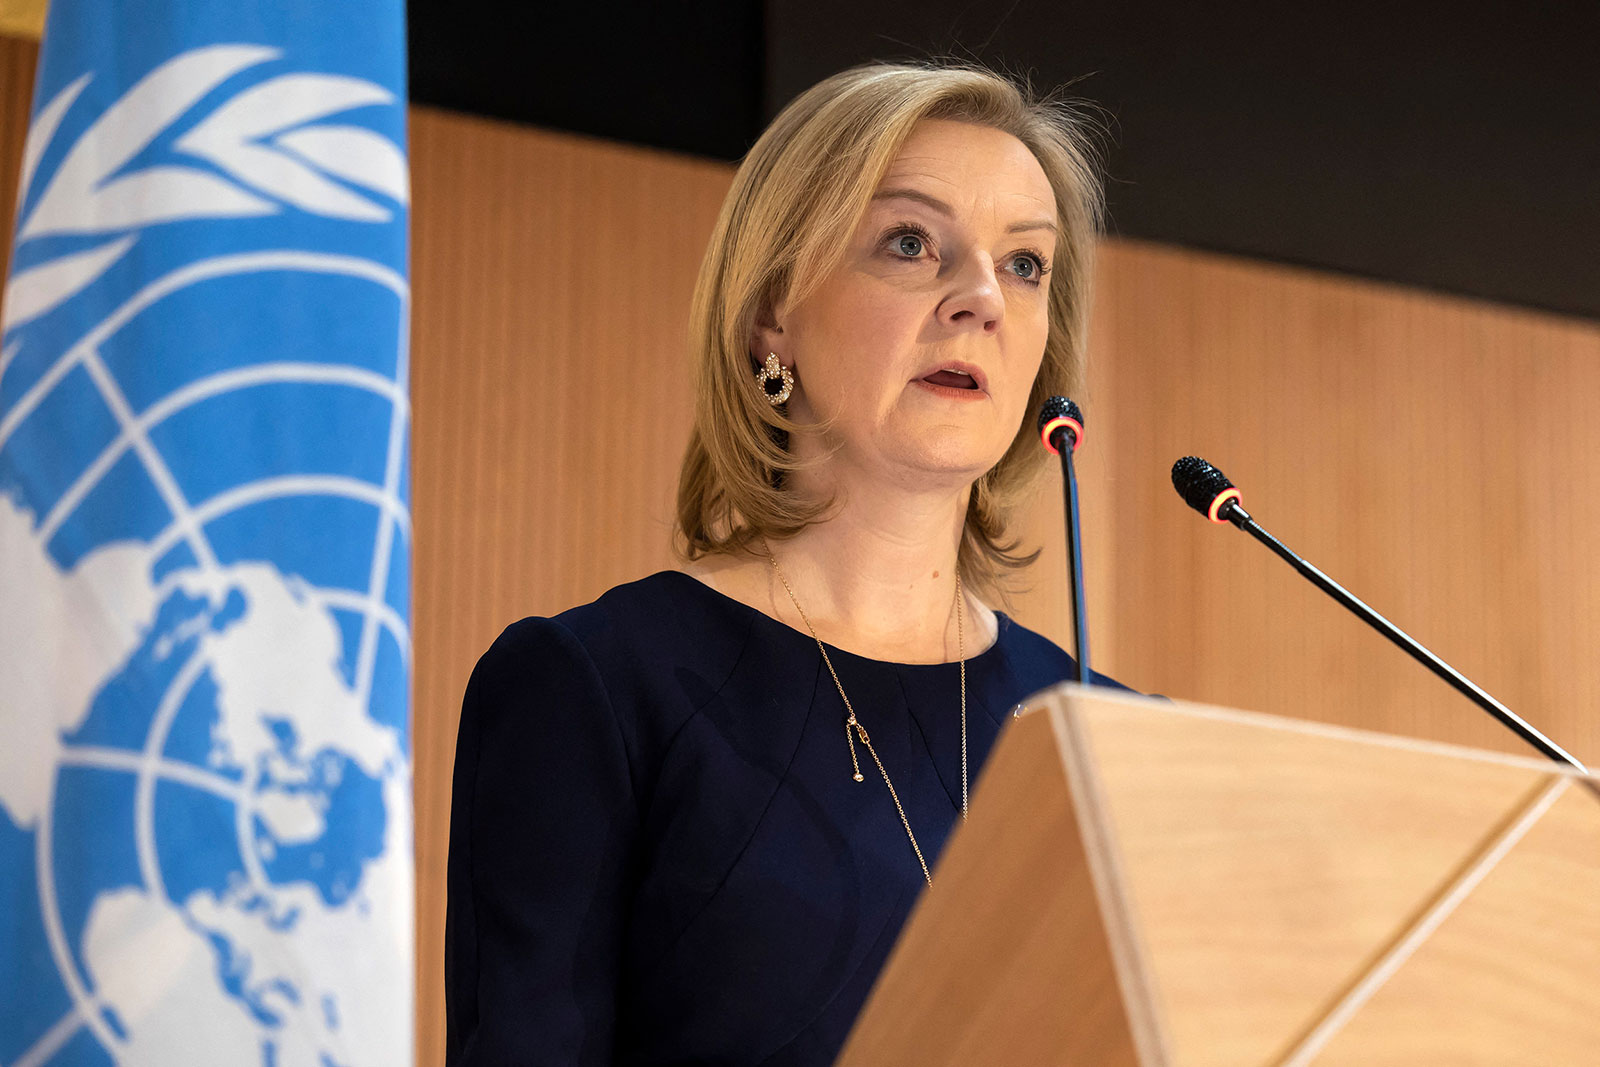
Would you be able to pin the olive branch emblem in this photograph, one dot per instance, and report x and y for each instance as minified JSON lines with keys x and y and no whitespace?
{"x":262,"y":151}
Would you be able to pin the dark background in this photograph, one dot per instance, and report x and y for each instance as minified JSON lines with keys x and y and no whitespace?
{"x":1445,"y":146}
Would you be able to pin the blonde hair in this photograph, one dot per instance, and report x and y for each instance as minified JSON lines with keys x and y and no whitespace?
{"x":795,"y":203}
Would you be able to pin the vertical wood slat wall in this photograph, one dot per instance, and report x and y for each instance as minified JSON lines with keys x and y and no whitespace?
{"x":19,"y":60}
{"x":551,"y":281}
{"x":1432,"y":453}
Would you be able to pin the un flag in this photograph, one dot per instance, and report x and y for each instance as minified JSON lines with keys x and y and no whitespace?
{"x":205,"y":812}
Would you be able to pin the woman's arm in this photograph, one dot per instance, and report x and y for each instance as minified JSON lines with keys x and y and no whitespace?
{"x":543,"y":826}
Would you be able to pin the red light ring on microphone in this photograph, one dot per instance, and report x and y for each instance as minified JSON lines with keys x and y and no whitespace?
{"x":1055,"y":424}
{"x":1216,"y":505}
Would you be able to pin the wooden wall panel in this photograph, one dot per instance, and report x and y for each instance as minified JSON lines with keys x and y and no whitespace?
{"x":1430,"y":453}
{"x":551,"y":280}
{"x":19,"y":59}
{"x":23,"y":19}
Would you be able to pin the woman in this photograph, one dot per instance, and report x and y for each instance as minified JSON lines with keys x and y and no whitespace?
{"x":690,"y":818}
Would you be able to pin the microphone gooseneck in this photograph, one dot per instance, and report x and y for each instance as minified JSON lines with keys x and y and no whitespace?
{"x":1061,"y":429}
{"x":1209,"y":492}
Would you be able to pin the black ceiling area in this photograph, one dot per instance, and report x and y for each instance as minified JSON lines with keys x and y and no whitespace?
{"x":1451,"y":147}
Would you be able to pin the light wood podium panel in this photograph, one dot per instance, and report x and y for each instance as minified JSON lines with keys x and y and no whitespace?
{"x":1171,"y":884}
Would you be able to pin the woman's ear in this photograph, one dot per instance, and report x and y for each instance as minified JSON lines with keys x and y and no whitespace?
{"x":768,"y":336}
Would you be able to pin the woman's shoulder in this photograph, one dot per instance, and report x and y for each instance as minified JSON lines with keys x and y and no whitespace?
{"x":665,"y":619}
{"x":1038,"y":658}
{"x":643,"y":657}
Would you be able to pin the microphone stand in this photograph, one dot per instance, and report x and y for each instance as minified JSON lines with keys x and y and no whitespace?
{"x":1080,"y":616}
{"x":1232,"y":512}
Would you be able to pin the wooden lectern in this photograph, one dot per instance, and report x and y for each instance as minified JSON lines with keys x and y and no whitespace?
{"x":1169,"y":884}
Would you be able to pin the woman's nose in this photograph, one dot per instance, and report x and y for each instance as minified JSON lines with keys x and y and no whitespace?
{"x":974,"y":300}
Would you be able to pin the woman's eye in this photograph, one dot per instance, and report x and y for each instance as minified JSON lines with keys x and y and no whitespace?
{"x":908,"y":244}
{"x":1027,"y":267}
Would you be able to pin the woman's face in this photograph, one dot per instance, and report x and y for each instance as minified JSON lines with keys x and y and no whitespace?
{"x":924,"y":342}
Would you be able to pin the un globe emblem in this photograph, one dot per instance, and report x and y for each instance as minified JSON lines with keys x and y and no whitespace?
{"x":204,"y":539}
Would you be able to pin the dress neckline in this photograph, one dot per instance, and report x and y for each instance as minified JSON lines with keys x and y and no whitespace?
{"x":1002,"y":624}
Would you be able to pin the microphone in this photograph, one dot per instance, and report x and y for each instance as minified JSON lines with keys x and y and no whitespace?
{"x":1060,"y":424}
{"x":1061,"y":429}
{"x":1209,"y":492}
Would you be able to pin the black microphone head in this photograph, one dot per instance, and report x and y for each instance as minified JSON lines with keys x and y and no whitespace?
{"x":1056,"y":406}
{"x":1202,"y":486}
{"x":1059,"y":413}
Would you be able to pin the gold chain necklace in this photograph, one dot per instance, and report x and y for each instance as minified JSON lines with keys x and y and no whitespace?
{"x":852,"y":723}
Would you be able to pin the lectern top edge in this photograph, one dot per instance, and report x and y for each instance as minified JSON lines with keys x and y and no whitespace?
{"x":1067,"y":692}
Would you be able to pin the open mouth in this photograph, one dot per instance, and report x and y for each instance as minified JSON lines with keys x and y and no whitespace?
{"x":951,"y":379}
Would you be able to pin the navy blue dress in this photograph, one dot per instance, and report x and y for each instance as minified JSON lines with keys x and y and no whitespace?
{"x":658,"y":854}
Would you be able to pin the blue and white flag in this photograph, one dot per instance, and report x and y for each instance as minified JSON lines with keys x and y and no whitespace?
{"x":205,"y":810}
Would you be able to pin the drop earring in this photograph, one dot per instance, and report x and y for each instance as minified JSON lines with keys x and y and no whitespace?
{"x":775,"y":381}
